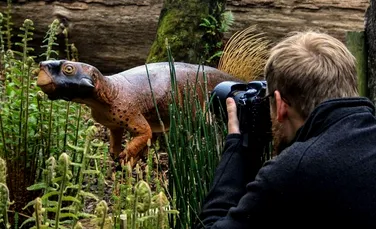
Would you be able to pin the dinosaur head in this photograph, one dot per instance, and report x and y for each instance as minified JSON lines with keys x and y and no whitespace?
{"x":61,"y":79}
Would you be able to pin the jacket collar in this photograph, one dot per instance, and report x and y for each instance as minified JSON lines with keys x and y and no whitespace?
{"x":329,"y":112}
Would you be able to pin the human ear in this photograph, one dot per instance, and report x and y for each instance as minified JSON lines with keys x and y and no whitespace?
{"x":281,"y":107}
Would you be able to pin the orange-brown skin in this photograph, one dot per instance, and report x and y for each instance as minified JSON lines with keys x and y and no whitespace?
{"x":123,"y":102}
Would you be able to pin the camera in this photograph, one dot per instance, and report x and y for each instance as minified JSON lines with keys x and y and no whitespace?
{"x":253,"y":110}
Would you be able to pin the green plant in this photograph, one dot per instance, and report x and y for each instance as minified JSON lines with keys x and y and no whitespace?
{"x":136,"y":204}
{"x":34,"y":131}
{"x":101,"y":213}
{"x":39,"y":211}
{"x":30,"y":125}
{"x":59,"y":187}
{"x":4,"y":196}
{"x":214,"y":30}
{"x":194,"y":144}
{"x":8,"y":24}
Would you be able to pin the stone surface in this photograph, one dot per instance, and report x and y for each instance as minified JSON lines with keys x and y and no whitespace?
{"x":278,"y":17}
{"x":111,"y":35}
{"x":115,"y":35}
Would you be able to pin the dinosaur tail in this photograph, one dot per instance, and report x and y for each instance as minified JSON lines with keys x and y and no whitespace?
{"x":245,"y":54}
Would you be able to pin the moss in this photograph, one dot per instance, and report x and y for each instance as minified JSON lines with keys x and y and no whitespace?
{"x":179,"y":23}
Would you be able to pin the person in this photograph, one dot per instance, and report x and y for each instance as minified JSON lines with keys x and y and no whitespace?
{"x":324,"y":135}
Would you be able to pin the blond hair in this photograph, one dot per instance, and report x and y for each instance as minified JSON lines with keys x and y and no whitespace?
{"x":308,"y":68}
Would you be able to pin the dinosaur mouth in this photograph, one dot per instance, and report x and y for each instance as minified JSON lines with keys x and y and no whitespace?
{"x":45,"y":82}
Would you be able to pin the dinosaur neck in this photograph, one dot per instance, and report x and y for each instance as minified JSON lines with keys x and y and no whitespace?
{"x":105,"y":92}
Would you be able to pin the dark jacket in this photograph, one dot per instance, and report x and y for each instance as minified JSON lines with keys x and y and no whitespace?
{"x":325,"y":179}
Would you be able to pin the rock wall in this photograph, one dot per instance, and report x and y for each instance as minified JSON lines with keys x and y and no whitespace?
{"x":112,"y":35}
{"x":115,"y":35}
{"x":279,"y":17}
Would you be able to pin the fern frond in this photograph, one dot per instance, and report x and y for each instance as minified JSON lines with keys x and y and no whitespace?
{"x":8,"y":24}
{"x":50,"y":38}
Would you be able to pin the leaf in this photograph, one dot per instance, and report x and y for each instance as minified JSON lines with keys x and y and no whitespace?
{"x":79,"y":149}
{"x":143,"y":219}
{"x":86,"y":215}
{"x":69,"y":208}
{"x":37,"y":186}
{"x":67,"y":214}
{"x":31,"y":203}
{"x":76,"y":164}
{"x":88,"y":195}
{"x":57,"y":179}
{"x":72,"y":186}
{"x":91,"y":172}
{"x":176,"y":212}
{"x":65,"y":222}
{"x":54,"y":209}
{"x":48,"y":195}
{"x":29,"y":220}
{"x":71,"y":198}
{"x":52,"y":203}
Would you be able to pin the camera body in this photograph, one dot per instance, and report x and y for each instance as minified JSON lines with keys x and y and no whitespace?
{"x":253,"y":110}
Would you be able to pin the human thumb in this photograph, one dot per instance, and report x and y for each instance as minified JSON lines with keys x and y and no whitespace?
{"x":233,"y":122}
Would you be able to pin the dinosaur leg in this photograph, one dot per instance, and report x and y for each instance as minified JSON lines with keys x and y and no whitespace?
{"x":116,"y":136}
{"x":141,"y":133}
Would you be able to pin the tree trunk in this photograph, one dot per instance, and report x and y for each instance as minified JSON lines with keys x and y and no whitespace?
{"x":179,"y":23}
{"x":370,"y":33}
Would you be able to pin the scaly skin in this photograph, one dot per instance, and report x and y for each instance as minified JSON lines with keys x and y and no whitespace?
{"x":123,"y":102}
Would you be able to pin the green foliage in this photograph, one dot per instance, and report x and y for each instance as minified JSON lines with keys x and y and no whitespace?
{"x":4,"y":196}
{"x":50,"y":39}
{"x":136,"y":204}
{"x":39,"y":211}
{"x":8,"y":24}
{"x":32,"y":128}
{"x":52,"y":146}
{"x":59,"y":188}
{"x":101,"y":213}
{"x":214,"y":29}
{"x":2,"y":47}
{"x":194,"y":145}
{"x":189,"y":41}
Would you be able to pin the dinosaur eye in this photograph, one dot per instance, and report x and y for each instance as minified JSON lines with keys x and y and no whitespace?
{"x":69,"y":69}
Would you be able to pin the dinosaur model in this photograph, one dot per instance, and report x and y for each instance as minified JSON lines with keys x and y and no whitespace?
{"x":123,"y":101}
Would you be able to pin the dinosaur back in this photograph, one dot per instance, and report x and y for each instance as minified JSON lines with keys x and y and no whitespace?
{"x":135,"y":83}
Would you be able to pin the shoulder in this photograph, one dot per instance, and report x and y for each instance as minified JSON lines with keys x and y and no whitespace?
{"x":283,"y":169}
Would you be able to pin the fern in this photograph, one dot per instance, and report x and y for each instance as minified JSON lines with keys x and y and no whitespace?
{"x":227,"y":21}
{"x":49,"y":40}
{"x":37,"y":216}
{"x":101,"y":211}
{"x":84,"y":169}
{"x":2,"y":45}
{"x":8,"y":24}
{"x":63,"y":179}
{"x":4,"y":196}
{"x":214,"y":29}
{"x":27,"y":35}
{"x":56,"y":198}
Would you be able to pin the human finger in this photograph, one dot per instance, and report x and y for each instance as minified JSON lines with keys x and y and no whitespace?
{"x":233,"y":122}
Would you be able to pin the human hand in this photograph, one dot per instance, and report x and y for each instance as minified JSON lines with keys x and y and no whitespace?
{"x":233,"y":122}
